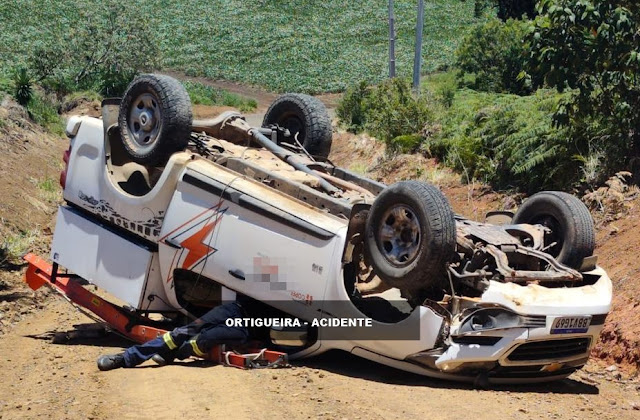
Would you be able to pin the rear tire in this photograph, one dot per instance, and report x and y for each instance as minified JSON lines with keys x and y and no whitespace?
{"x":569,"y":220}
{"x":155,"y":119}
{"x":411,"y":236}
{"x":305,"y":115}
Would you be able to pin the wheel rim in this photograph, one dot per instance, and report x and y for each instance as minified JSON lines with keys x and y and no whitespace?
{"x":144,"y":121}
{"x":399,"y":235}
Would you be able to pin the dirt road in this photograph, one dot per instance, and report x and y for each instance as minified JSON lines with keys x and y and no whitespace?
{"x":44,"y":380}
{"x":263,"y":97}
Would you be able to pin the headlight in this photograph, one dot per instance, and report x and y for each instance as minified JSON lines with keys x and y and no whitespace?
{"x":489,"y":319}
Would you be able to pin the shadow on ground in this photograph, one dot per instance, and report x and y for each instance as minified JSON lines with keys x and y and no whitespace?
{"x":335,"y":361}
{"x":346,"y":364}
{"x":84,"y":335}
{"x":14,"y":296}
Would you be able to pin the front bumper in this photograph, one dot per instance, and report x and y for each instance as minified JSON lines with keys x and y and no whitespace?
{"x":530,"y":350}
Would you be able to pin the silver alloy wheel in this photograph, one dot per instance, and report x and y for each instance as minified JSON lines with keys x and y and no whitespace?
{"x":399,"y":235}
{"x":145,"y":121}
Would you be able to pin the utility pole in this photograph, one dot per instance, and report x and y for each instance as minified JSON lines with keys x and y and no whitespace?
{"x":392,"y":41}
{"x":417,"y":60}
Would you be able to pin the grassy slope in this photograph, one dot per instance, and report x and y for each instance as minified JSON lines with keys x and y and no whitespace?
{"x":312,"y":46}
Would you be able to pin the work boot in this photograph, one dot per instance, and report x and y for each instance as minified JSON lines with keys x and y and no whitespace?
{"x":162,"y":361}
{"x":111,"y":361}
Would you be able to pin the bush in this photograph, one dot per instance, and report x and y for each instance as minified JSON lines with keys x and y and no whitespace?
{"x":13,"y":246}
{"x":6,"y":85}
{"x":351,"y":110}
{"x":43,"y":111}
{"x":113,"y":81}
{"x":23,"y":91}
{"x":393,"y":110}
{"x":446,"y":95}
{"x":508,"y":141}
{"x":524,"y":149}
{"x":61,"y":83}
{"x":386,"y":111}
{"x":407,"y":143}
{"x":492,"y":56}
{"x":482,"y":6}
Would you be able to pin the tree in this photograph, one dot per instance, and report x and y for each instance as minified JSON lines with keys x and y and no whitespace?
{"x":494,"y":54}
{"x":593,"y":47}
{"x":516,"y":9}
{"x":507,"y":9}
{"x":103,"y":51}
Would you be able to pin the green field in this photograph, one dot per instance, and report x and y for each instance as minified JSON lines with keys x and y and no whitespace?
{"x":283,"y":45}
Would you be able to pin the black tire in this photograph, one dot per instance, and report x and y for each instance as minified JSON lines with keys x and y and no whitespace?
{"x":570,"y":223}
{"x":305,"y":115}
{"x":427,"y":251}
{"x":155,"y":119}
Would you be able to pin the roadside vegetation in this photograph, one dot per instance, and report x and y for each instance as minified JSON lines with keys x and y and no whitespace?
{"x":202,"y":94}
{"x":57,"y":54}
{"x":548,"y":103}
{"x":15,"y":244}
{"x":49,"y":190}
{"x":521,"y":94}
{"x":283,"y":45}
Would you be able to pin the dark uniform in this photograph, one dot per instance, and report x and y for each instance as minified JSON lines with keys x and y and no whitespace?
{"x":194,"y":339}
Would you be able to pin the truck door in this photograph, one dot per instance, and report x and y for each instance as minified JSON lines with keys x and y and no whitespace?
{"x":252,"y":240}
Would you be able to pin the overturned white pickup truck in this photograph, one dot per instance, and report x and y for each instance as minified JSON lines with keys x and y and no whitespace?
{"x":171,"y":215}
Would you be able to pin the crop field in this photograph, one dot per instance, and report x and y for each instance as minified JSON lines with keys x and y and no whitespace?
{"x":283,"y":45}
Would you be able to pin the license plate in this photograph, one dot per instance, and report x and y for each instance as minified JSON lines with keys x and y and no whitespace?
{"x":570,"y":324}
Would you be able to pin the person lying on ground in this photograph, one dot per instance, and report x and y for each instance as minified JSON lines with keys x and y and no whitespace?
{"x":194,"y":339}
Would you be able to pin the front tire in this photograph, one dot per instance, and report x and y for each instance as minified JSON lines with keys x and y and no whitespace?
{"x":155,"y":119}
{"x":411,"y":236}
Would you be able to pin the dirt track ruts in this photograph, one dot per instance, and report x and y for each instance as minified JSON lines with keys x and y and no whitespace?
{"x":44,"y":380}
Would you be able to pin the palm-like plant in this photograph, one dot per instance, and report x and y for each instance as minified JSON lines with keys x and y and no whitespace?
{"x":23,"y":90}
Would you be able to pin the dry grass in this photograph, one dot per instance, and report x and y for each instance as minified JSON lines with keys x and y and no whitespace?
{"x":14,"y":245}
{"x":358,"y":168}
{"x":49,"y":190}
{"x":439,"y":175}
